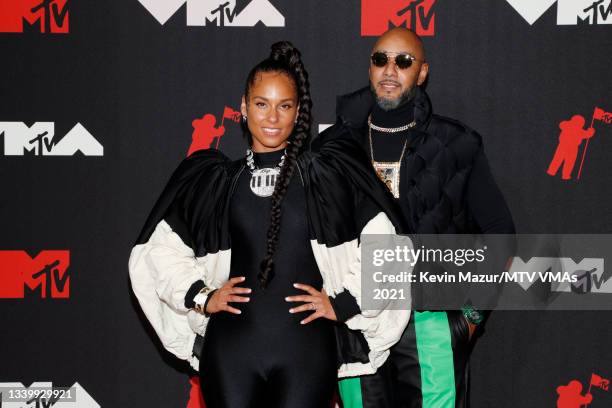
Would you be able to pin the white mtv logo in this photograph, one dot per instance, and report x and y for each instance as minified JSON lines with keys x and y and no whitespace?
{"x":38,"y":138}
{"x":219,"y":13}
{"x":46,"y":399}
{"x":589,"y":272}
{"x":569,"y":12}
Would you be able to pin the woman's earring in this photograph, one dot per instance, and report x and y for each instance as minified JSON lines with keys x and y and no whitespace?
{"x":244,"y":118}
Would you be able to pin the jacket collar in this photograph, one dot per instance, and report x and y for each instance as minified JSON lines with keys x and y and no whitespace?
{"x":354,"y":108}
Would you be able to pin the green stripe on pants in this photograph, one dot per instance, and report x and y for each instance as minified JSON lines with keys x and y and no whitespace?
{"x":435,"y":359}
{"x":350,"y":392}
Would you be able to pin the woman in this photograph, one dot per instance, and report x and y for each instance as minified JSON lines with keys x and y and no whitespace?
{"x":243,"y":267}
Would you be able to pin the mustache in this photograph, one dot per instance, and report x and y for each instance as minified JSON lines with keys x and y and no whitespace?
{"x":388,"y":81}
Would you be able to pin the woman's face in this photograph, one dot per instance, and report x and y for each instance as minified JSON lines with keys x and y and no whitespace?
{"x":271,"y":111}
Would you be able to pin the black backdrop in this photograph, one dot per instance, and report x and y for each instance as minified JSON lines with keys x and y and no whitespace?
{"x":137,"y":85}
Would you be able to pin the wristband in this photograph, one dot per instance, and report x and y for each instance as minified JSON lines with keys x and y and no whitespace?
{"x":472,"y":315}
{"x":210,"y":294}
{"x":201,"y":298}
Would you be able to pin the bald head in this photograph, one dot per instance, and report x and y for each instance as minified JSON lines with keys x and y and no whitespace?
{"x":401,"y":39}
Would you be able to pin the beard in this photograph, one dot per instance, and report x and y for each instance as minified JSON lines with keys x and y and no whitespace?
{"x":388,"y":104}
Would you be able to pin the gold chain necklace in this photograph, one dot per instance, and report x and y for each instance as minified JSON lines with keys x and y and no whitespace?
{"x":388,"y":172}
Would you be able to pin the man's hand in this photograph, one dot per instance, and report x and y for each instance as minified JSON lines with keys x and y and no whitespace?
{"x":316,"y":301}
{"x":228,"y":293}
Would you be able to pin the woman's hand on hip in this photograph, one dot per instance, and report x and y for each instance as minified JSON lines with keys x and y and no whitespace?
{"x":315,"y":301}
{"x":226,"y":294}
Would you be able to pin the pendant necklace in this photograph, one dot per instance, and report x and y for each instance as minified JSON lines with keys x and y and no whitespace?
{"x":263,"y":180}
{"x":388,"y":172}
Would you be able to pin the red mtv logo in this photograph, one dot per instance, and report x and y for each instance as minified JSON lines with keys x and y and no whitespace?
{"x":50,"y":15}
{"x":377,"y":16}
{"x":45,"y":275}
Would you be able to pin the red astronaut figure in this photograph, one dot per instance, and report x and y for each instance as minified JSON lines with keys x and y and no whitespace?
{"x":570,"y":395}
{"x":204,"y":133}
{"x":572,"y":134}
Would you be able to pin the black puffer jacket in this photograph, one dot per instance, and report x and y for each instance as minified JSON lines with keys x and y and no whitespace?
{"x":446,"y":186}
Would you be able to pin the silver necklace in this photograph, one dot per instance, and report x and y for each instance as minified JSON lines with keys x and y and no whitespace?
{"x":263,"y":180}
{"x":390,"y":130}
{"x":388,"y":172}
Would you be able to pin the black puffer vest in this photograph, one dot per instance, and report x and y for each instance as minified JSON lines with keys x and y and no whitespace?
{"x":435,"y":168}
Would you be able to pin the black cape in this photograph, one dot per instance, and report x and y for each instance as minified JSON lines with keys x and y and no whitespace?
{"x":342,"y":191}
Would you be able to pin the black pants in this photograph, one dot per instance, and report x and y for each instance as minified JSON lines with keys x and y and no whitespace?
{"x":427,"y":368}
{"x":247,"y":362}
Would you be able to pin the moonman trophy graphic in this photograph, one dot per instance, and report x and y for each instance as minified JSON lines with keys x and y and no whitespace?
{"x":205,"y":132}
{"x":570,"y":395}
{"x":572,"y":135}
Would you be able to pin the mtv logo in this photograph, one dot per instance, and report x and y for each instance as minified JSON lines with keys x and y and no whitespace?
{"x":219,"y":13}
{"x":589,"y":273}
{"x":46,"y":275}
{"x":377,"y":16}
{"x":569,"y":12}
{"x":590,"y":277}
{"x":50,"y":15}
{"x":39,"y":140}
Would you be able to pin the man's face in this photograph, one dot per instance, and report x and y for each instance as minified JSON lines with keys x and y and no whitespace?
{"x":391,"y":84}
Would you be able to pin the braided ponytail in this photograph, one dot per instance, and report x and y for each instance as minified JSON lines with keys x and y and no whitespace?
{"x":284,"y":58}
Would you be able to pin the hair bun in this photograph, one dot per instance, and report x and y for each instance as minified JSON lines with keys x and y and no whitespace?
{"x":284,"y":51}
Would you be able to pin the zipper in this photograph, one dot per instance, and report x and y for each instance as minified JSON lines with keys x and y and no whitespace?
{"x":235,"y":180}
{"x":297,"y":164}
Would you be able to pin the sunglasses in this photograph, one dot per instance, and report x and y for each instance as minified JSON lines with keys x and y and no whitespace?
{"x":401,"y":60}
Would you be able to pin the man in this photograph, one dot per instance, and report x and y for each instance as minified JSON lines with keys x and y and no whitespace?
{"x":437,"y":170}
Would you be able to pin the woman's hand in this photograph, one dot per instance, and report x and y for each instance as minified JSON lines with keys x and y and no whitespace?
{"x":316,"y":301}
{"x":228,"y":293}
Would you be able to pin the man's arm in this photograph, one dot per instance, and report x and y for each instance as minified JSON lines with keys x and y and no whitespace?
{"x":485,"y":201}
{"x":487,"y":206}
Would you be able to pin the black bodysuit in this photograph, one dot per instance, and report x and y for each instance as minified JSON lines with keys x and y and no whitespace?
{"x":264,"y":357}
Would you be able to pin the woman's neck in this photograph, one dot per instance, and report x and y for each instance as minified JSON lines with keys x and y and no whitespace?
{"x":271,"y":157}
{"x":260,"y":148}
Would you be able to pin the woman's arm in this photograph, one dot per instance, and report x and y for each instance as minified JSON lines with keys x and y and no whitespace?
{"x":180,"y":246}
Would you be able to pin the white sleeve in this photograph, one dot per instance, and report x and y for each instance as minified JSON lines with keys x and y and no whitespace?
{"x":174,"y":264}
{"x":161,"y":272}
{"x":341,"y":268}
{"x":383,"y":326}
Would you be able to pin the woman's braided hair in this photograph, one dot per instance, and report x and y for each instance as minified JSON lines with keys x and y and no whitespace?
{"x":284,"y":58}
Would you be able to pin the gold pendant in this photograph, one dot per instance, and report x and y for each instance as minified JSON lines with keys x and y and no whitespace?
{"x":389,"y":173}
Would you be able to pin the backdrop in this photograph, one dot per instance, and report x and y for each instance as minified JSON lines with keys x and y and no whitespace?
{"x":99,"y":101}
